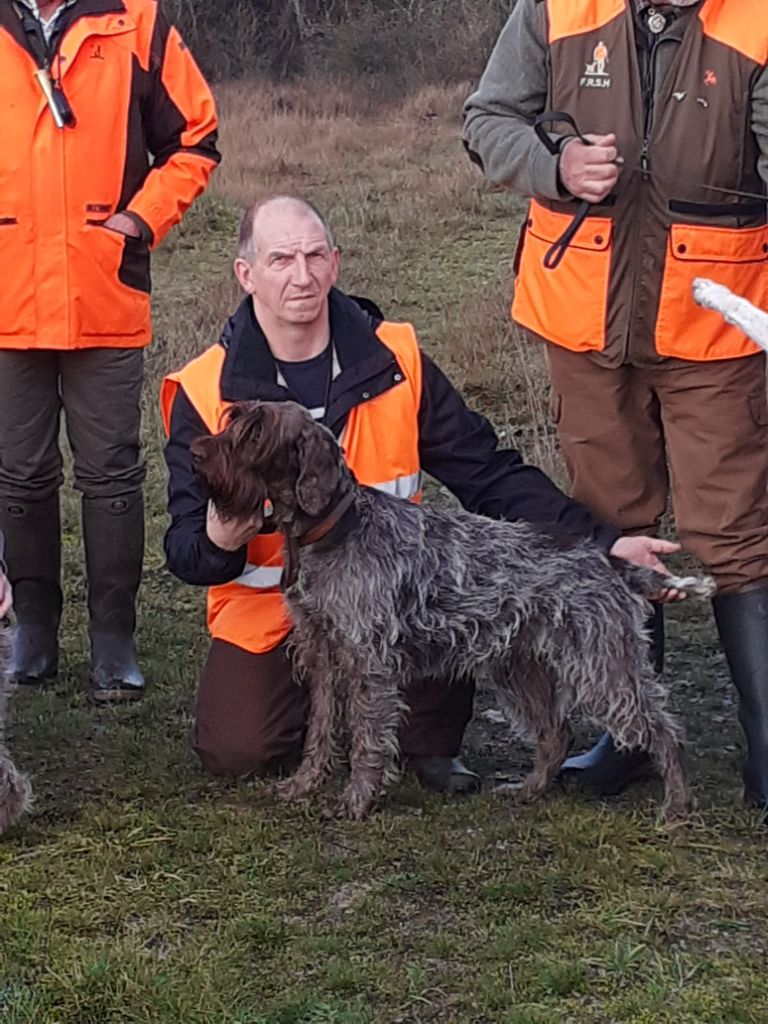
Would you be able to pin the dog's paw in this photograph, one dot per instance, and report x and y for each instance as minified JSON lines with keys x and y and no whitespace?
{"x":297,"y":787}
{"x":356,"y":804}
{"x":510,"y":791}
{"x":677,"y":812}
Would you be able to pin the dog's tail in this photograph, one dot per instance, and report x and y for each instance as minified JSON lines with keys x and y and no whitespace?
{"x":650,"y":583}
{"x":734,"y":309}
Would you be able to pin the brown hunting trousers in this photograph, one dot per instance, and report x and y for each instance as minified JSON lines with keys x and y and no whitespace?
{"x":251,"y":714}
{"x":633,"y":434}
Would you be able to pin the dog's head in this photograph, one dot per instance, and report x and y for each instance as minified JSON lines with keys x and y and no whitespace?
{"x":269,"y":451}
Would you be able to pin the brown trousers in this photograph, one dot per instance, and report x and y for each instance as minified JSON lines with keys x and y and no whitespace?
{"x":631,"y":434}
{"x":250,"y":714}
{"x":99,"y":390}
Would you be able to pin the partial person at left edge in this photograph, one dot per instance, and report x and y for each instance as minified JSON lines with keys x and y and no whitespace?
{"x":109,"y":133}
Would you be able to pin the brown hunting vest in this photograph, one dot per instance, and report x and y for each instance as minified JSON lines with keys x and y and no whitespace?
{"x":625,"y":281}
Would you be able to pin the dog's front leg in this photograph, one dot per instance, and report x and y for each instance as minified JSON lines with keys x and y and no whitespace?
{"x":374,"y":711}
{"x":320,"y":753}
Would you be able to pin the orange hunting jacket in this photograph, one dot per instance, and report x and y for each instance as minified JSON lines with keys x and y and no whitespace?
{"x":144,"y":143}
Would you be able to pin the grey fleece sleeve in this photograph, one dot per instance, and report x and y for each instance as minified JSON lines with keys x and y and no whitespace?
{"x":760,"y":121}
{"x":511,"y":93}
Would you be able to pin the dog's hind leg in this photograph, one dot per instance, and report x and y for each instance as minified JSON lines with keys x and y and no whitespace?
{"x":552,"y":738}
{"x":527,"y":691}
{"x":666,"y":752}
{"x":374,"y":712}
{"x":623,"y":695}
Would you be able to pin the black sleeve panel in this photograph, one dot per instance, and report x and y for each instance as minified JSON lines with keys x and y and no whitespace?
{"x":460,"y":449}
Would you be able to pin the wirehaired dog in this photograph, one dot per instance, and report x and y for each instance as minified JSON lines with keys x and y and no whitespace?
{"x":734,"y":309}
{"x":15,"y":791}
{"x":384,"y":592}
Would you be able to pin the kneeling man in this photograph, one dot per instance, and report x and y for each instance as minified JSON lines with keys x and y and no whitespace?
{"x":295,"y":336}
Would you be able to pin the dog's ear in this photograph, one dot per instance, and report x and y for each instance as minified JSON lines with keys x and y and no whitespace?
{"x":212,"y":462}
{"x":217,"y":464}
{"x":319,"y":468}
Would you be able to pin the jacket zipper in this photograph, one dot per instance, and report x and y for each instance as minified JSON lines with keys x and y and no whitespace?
{"x":648,"y":85}
{"x":649,"y":100}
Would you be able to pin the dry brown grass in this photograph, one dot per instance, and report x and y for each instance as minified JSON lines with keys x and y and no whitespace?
{"x":366,"y":162}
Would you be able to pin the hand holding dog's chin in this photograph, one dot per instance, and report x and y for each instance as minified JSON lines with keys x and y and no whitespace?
{"x":230,"y":534}
{"x":6,"y":597}
{"x":645,"y":551}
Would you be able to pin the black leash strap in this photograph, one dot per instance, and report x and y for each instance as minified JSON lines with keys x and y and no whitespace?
{"x":554,"y":255}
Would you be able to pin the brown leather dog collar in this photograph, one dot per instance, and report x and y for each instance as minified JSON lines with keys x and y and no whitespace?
{"x":324,"y":527}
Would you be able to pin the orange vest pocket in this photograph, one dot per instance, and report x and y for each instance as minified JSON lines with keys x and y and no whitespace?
{"x":566,"y":305}
{"x":734,"y":257}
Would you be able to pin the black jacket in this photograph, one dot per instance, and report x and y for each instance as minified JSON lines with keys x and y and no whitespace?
{"x":456,"y":446}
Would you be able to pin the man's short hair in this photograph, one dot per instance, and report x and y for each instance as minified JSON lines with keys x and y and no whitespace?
{"x":246,"y":243}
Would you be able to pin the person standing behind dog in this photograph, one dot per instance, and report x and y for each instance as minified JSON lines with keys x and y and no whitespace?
{"x":648,"y":389}
{"x":297,"y":337}
{"x":109,"y":133}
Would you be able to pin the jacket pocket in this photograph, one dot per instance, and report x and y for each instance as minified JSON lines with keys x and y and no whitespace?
{"x":110,"y":284}
{"x":17,"y":272}
{"x":734,"y":257}
{"x":566,"y":305}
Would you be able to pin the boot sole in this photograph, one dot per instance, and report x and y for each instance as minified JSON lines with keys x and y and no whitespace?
{"x":116,"y":696}
{"x":32,"y":682}
{"x":577,"y":780}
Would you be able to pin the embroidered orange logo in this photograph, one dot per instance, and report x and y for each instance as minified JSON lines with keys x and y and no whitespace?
{"x":710,"y":78}
{"x":596,"y":73}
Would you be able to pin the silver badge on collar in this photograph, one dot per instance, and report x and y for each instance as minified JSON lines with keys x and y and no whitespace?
{"x":656,"y":21}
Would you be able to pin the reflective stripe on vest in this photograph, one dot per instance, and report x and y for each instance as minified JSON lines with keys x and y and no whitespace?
{"x":380,"y":443}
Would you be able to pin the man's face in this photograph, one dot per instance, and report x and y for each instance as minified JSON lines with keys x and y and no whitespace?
{"x":293,"y":268}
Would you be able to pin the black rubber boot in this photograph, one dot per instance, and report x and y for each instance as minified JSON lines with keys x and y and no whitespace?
{"x":742,"y":621}
{"x":32,"y":532}
{"x":447,"y":775}
{"x":603,"y":770}
{"x":113,"y":532}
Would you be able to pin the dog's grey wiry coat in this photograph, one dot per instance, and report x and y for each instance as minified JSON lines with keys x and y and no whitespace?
{"x":15,"y":791}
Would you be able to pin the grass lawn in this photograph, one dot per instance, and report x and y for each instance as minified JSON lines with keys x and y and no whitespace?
{"x":138,"y":891}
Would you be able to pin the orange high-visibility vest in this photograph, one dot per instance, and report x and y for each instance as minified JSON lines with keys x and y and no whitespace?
{"x":629,"y":269}
{"x":380,"y":442}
